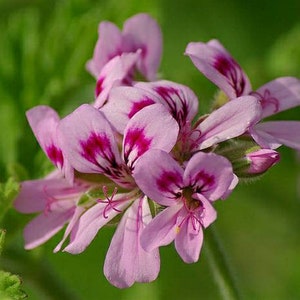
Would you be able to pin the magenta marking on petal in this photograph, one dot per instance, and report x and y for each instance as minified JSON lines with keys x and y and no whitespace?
{"x":99,"y":86}
{"x":97,"y":144}
{"x":232,"y":71}
{"x":117,"y":52}
{"x":137,"y":106}
{"x":202,"y":181}
{"x":167,"y":180}
{"x":165,"y":92}
{"x":170,"y":95}
{"x":55,"y":155}
{"x":136,"y":140}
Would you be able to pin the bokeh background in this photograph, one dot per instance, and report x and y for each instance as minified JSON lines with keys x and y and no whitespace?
{"x":44,"y":46}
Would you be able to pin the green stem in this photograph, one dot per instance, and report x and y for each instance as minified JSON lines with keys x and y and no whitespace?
{"x":219,"y":266}
{"x":37,"y":272}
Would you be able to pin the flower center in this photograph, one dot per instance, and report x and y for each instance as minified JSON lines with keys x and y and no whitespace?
{"x":194,"y":209}
{"x":190,"y":203}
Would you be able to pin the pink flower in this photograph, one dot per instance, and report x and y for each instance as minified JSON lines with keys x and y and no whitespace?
{"x":56,"y":201}
{"x":187,"y":195}
{"x":140,"y":32}
{"x":91,"y":146}
{"x":54,"y":197}
{"x":213,"y":60}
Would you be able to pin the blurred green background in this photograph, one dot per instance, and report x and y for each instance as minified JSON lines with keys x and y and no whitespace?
{"x":44,"y":46}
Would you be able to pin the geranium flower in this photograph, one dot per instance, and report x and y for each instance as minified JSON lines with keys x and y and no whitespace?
{"x":187,"y":195}
{"x":55,"y":199}
{"x":140,"y":32}
{"x":213,"y":60}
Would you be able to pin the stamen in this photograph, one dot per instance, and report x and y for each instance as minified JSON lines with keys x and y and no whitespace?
{"x":267,"y":99}
{"x":192,"y":207}
{"x":189,"y":138}
{"x":194,"y":220}
{"x":49,"y":201}
{"x":109,"y":200}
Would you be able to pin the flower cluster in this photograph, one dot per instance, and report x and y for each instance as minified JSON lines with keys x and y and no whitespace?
{"x":140,"y":157}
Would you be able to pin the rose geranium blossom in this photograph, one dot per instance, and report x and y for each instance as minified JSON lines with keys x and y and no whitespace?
{"x":119,"y":55}
{"x":139,"y":32}
{"x":214,"y":61}
{"x":187,"y":194}
{"x":56,"y":196}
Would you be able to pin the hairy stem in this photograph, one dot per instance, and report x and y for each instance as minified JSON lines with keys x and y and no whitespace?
{"x":219,"y":266}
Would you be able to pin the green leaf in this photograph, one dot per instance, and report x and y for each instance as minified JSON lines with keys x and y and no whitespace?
{"x":8,"y":192}
{"x":10,"y":287}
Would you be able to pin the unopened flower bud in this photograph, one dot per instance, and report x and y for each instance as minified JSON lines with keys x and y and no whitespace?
{"x":248,"y":159}
{"x":262,"y":160}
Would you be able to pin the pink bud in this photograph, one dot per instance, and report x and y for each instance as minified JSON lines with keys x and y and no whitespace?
{"x":262,"y":160}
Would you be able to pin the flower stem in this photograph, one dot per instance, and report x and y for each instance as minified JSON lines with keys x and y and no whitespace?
{"x":219,"y":266}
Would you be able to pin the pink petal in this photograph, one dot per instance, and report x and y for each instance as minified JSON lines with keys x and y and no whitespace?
{"x":163,"y":180}
{"x":229,"y":121}
{"x":151,"y":128}
{"x":89,"y":142}
{"x":209,"y":214}
{"x":142,"y":32}
{"x":180,"y":100}
{"x":107,"y":47}
{"x":278,"y":95}
{"x":210,"y":175}
{"x":219,"y":66}
{"x":72,"y":223}
{"x":124,"y":102}
{"x":91,"y":222}
{"x":44,"y":121}
{"x":36,"y":194}
{"x":43,"y":227}
{"x":118,"y":71}
{"x":162,"y":229}
{"x":264,"y":139}
{"x":233,"y":184}
{"x":282,"y":132}
{"x":188,"y":241}
{"x":126,"y":262}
